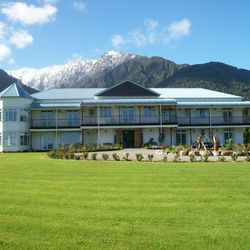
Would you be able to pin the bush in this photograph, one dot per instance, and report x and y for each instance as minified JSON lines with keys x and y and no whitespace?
{"x":234,"y":157}
{"x":77,"y":157}
{"x":116,"y":157}
{"x":94,"y":156}
{"x":221,"y":159}
{"x":176,"y":157}
{"x":247,"y":158}
{"x":150,"y":157}
{"x":126,"y":157}
{"x":105,"y":157}
{"x":139,"y":157}
{"x":192,"y":158}
{"x":165,"y":158}
{"x":51,"y":154}
{"x":205,"y":157}
{"x":85,"y":155}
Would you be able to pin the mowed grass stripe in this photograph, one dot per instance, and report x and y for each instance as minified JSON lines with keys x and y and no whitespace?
{"x":55,"y":204}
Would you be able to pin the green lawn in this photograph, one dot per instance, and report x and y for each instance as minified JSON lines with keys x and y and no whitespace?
{"x":59,"y":204}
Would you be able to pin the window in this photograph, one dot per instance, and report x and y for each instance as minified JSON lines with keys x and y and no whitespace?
{"x":24,"y":139}
{"x":0,"y":139}
{"x":149,"y":111}
{"x":228,"y":134}
{"x":105,"y":112}
{"x":47,"y":118}
{"x":181,"y":137}
{"x":0,"y":115}
{"x":127,"y":114}
{"x":10,"y":115}
{"x":24,"y":117}
{"x":73,"y":118}
{"x":202,"y":113}
{"x":10,"y":139}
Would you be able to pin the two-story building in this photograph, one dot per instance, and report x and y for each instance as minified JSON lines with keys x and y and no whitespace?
{"x":126,"y":113}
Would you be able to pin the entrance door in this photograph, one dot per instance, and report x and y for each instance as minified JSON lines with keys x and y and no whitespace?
{"x":128,"y":138}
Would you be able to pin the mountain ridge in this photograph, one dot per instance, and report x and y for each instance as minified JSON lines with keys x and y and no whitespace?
{"x":114,"y":67}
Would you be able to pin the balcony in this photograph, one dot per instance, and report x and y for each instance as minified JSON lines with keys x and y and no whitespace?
{"x":127,"y":120}
{"x":53,"y":123}
{"x":214,"y":120}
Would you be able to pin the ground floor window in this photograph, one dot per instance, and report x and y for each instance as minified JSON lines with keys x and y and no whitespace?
{"x":181,"y":137}
{"x":70,"y":138}
{"x":10,"y":139}
{"x":47,"y":141}
{"x":228,"y":134}
{"x":24,"y":139}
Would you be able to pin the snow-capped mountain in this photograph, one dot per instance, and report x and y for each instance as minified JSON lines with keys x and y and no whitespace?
{"x":75,"y":73}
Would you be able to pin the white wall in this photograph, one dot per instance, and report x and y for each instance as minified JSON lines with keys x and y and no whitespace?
{"x":149,"y":133}
{"x":90,"y":137}
{"x":106,"y":136}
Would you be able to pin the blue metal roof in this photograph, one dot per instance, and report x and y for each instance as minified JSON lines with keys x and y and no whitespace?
{"x":213,"y":104}
{"x":129,"y":101}
{"x":68,"y":105}
{"x":70,"y":93}
{"x":15,"y":90}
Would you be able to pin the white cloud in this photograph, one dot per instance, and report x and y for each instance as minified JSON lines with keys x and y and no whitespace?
{"x":2,"y":30}
{"x":51,"y":1}
{"x":180,"y":28}
{"x":79,"y":6}
{"x":117,"y":40}
{"x":11,"y":61}
{"x":153,"y":33}
{"x":5,"y":52}
{"x":21,"y":39}
{"x":28,"y":14}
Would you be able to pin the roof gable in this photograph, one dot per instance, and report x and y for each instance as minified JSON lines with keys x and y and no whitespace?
{"x":128,"y":88}
{"x":15,"y":90}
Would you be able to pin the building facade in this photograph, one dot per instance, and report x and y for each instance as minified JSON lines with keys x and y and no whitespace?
{"x":126,"y":113}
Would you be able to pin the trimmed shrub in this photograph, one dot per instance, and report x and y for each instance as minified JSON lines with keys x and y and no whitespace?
{"x":85,"y":155}
{"x":234,"y":156}
{"x":116,"y":157}
{"x":205,"y":157}
{"x":105,"y":157}
{"x":221,"y":159}
{"x":93,"y":156}
{"x":150,"y":157}
{"x":247,"y":158}
{"x":126,"y":157}
{"x":139,"y":157}
{"x":77,"y":157}
{"x":192,"y":158}
{"x":165,"y":158}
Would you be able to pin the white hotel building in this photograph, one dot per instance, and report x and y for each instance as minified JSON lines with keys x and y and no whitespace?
{"x":126,"y":113}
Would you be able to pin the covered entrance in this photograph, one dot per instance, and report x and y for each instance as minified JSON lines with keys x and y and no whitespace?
{"x":128,"y":138}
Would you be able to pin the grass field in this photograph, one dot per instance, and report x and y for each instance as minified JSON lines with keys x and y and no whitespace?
{"x":58,"y":204}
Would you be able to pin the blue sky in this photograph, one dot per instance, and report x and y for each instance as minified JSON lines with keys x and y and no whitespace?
{"x":40,"y":33}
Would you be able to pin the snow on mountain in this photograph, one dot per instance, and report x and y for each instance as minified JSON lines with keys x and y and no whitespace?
{"x":70,"y":74}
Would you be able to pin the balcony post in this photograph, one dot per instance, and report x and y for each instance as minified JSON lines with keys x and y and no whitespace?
{"x":210,"y":122}
{"x":160,"y":118}
{"x":98,"y":125}
{"x":56,"y":131}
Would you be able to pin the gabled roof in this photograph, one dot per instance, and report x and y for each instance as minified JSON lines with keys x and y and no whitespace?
{"x":15,"y":90}
{"x":128,"y":88}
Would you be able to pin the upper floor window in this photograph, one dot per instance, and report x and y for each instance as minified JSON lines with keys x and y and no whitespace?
{"x":149,"y":111}
{"x":105,"y":111}
{"x":10,"y":115}
{"x":202,"y":113}
{"x":24,"y":115}
{"x":72,"y":114}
